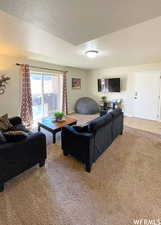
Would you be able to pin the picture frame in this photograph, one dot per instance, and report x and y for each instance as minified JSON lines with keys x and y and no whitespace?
{"x":76,"y":83}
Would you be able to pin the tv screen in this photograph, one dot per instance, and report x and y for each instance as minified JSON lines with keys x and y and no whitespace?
{"x":109,"y":85}
{"x":114,"y":85}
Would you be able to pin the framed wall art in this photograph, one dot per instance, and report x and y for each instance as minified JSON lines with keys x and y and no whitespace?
{"x":76,"y":83}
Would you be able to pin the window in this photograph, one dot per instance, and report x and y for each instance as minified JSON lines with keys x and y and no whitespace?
{"x":46,"y":94}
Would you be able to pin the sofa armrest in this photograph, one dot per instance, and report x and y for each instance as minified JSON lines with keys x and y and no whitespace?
{"x":73,"y":140}
{"x":78,"y":144}
{"x":38,"y":136}
{"x":15,"y":120}
{"x":81,"y":129}
{"x":36,"y":141}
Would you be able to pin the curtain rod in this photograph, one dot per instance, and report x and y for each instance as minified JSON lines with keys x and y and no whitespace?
{"x":44,"y":68}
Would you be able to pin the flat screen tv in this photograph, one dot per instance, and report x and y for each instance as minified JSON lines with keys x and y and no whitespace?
{"x":109,"y":85}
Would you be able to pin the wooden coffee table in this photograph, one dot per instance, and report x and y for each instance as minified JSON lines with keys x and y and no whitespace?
{"x":52,"y":126}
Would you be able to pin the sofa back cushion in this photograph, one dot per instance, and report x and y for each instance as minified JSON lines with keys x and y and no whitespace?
{"x":5,"y":123}
{"x":116,"y":112}
{"x":99,"y":122}
{"x":103,"y":139}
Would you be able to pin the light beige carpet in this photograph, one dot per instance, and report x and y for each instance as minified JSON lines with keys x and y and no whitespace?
{"x":142,"y":124}
{"x":125,"y":184}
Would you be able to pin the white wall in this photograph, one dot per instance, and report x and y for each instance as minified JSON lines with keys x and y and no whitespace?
{"x":10,"y":100}
{"x":127,"y":75}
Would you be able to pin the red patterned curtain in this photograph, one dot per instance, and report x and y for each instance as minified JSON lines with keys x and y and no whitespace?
{"x":26,"y":101}
{"x":65,"y":94}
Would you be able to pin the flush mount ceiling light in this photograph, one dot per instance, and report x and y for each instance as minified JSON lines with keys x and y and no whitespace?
{"x":91,"y":53}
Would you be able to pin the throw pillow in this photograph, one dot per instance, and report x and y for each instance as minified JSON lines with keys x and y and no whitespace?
{"x":15,"y":136}
{"x":5,"y":123}
{"x":2,"y":138}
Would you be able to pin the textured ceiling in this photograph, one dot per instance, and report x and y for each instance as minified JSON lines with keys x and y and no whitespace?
{"x":78,"y":21}
{"x":139,"y":44}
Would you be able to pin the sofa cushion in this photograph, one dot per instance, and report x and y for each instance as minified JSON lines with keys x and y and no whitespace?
{"x":5,"y":123}
{"x":99,"y":122}
{"x":116,"y":112}
{"x":2,"y":138}
{"x":15,"y":136}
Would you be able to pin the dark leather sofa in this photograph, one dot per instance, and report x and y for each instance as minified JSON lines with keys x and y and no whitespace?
{"x":20,"y":156}
{"x":89,"y":142}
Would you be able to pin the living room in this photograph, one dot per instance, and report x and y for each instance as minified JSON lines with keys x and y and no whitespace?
{"x":96,"y":168}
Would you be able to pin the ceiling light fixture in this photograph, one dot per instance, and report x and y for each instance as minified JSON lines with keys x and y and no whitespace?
{"x":91,"y":53}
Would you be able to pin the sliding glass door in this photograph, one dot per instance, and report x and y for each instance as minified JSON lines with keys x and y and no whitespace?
{"x":46,"y":94}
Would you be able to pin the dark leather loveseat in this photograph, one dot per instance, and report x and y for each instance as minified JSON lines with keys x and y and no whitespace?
{"x":20,"y":156}
{"x":89,"y":142}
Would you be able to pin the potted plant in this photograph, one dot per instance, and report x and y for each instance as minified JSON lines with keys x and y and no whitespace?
{"x":58,"y":116}
{"x":104,"y":98}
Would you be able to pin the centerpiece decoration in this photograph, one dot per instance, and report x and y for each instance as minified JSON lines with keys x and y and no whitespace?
{"x":104,"y":98}
{"x":58,"y":116}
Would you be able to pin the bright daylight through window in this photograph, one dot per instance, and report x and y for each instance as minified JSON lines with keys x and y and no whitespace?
{"x":46,"y":94}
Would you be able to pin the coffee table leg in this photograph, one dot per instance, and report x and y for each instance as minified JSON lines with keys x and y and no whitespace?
{"x":54,"y":138}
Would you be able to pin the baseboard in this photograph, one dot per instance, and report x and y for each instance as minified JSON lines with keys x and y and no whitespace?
{"x":128,"y":115}
{"x":70,"y":113}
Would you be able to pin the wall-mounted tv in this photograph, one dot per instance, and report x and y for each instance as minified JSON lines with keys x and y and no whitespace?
{"x":109,"y":85}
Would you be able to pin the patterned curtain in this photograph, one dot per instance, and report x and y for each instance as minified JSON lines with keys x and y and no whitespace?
{"x":26,"y":101}
{"x":65,"y":94}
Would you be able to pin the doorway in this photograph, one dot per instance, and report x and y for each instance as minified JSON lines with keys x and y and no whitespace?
{"x":147,"y":95}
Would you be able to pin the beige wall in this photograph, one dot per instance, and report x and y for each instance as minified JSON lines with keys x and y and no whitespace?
{"x":10,"y":100}
{"x":127,"y":75}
